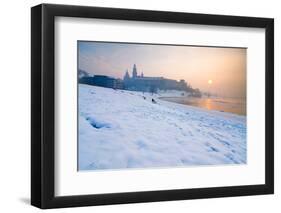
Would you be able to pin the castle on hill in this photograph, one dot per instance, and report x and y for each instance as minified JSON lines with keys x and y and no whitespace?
{"x":151,"y":84}
{"x":134,"y":82}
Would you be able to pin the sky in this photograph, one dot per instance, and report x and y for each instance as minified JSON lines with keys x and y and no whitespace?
{"x":221,"y":71}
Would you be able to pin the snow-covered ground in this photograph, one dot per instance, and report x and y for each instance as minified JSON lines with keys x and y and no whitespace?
{"x":121,"y":129}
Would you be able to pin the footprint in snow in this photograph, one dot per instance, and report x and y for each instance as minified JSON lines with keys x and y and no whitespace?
{"x":97,"y":124}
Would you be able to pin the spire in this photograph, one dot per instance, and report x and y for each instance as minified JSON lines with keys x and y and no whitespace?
{"x":135,"y":73}
{"x":126,"y":76}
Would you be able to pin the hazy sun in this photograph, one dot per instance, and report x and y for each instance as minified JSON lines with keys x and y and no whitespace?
{"x":210,"y":81}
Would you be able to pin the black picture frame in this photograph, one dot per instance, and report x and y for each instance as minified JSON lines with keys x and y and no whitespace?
{"x":43,"y":105}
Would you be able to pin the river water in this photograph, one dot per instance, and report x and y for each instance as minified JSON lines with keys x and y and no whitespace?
{"x":232,"y":105}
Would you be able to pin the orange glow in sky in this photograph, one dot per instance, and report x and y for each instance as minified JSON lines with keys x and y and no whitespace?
{"x":211,"y":69}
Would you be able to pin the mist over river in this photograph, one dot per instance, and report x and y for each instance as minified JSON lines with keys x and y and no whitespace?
{"x":231,"y":105}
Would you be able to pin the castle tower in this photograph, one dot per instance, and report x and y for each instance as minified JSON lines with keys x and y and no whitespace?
{"x":126,"y":76}
{"x":135,"y":73}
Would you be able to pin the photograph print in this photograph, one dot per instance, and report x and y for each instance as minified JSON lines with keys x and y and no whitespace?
{"x":147,"y":106}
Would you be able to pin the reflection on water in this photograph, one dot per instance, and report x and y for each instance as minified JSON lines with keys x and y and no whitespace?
{"x":232,"y":105}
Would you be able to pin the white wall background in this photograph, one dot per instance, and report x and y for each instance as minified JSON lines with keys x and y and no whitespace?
{"x":15,"y":105}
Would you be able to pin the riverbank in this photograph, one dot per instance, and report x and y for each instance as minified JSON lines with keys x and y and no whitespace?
{"x":121,"y":129}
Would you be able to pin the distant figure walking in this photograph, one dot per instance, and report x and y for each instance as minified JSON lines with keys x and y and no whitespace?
{"x":153,"y":101}
{"x":144,"y":97}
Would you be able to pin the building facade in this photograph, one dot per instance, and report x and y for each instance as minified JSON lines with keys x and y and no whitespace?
{"x":102,"y":81}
